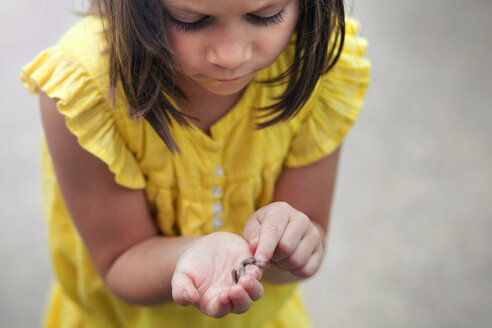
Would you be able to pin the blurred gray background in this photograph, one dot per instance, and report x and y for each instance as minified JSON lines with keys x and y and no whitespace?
{"x":410,"y":242}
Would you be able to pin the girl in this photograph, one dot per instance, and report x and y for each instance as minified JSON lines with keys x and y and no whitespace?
{"x":183,"y":136}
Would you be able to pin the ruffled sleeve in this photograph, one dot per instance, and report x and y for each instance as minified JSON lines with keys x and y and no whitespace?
{"x":334,"y":105}
{"x":88,"y":113}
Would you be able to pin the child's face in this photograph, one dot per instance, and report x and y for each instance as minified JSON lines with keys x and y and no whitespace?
{"x":221,"y":44}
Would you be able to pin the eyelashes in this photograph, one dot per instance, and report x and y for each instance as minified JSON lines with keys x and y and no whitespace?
{"x":185,"y":27}
{"x":264,"y":21}
{"x":205,"y":20}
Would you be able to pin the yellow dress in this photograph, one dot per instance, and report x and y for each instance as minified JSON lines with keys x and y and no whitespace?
{"x":215,"y":183}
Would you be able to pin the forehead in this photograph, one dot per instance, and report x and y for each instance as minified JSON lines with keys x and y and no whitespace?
{"x":219,"y":7}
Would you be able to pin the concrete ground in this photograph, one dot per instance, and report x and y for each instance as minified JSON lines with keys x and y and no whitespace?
{"x":410,"y":242}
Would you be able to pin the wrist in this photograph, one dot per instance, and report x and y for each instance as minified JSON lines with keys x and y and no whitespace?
{"x":142,"y":274}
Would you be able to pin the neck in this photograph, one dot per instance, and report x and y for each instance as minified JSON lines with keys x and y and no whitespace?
{"x":205,"y":106}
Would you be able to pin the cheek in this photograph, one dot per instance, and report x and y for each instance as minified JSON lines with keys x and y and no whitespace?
{"x":187,"y":50}
{"x":272,"y":44}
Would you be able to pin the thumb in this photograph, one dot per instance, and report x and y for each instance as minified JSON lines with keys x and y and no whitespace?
{"x":183,"y":290}
{"x":263,"y":231}
{"x":253,"y":244}
{"x":251,"y":234}
{"x":251,"y":231}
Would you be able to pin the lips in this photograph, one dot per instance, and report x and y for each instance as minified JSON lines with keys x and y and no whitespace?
{"x":229,"y":79}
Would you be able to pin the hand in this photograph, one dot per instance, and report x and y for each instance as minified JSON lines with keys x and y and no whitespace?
{"x":203,"y":276}
{"x":286,"y":237}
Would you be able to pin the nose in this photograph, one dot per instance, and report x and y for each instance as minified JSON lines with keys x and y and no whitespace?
{"x":229,"y":47}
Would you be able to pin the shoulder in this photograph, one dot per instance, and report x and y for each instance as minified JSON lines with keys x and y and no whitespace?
{"x":85,"y":39}
{"x":74,"y":74}
{"x":343,"y":87}
{"x":351,"y":70}
{"x":330,"y":112}
{"x":77,"y":58}
{"x":85,"y":45}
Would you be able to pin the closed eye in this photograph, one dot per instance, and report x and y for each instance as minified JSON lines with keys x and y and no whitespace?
{"x":261,"y":20}
{"x":189,"y":26}
{"x":205,"y":20}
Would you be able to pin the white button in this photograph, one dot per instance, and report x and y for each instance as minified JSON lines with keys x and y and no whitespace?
{"x":219,"y":171}
{"x":216,"y":208}
{"x":216,"y":191}
{"x":217,"y":223}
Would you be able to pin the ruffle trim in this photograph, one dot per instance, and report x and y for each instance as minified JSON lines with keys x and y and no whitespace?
{"x":87,"y":111}
{"x":335,"y":104}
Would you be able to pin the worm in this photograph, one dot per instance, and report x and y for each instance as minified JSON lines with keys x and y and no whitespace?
{"x":242,"y":269}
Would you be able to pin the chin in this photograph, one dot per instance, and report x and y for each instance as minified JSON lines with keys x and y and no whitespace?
{"x":226,"y":88}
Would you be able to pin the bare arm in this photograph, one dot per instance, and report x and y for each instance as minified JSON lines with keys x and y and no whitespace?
{"x":115,"y":223}
{"x":310,"y":189}
{"x":292,"y":230}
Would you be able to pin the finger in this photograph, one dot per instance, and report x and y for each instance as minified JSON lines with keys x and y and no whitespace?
{"x":312,"y":265}
{"x":220,"y":306}
{"x":183,"y":290}
{"x":252,"y":286}
{"x":297,"y":228}
{"x":301,"y":254}
{"x":241,"y":302}
{"x":254,"y":271}
{"x":273,"y":224}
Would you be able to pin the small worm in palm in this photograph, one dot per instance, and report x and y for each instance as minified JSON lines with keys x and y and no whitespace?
{"x":242,"y":268}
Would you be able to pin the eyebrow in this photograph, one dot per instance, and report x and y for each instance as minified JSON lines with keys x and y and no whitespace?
{"x":273,"y":4}
{"x":177,"y":5}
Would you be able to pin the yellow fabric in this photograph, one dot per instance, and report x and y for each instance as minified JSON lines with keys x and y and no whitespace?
{"x":232,"y":172}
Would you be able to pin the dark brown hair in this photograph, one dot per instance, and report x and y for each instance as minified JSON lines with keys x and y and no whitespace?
{"x":141,"y":59}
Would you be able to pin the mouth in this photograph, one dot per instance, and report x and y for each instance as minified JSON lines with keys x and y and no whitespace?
{"x":230,"y":79}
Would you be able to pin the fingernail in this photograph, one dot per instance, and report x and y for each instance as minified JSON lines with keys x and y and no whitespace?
{"x":261,"y":260}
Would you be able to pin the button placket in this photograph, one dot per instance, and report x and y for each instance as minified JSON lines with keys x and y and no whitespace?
{"x":216,"y":192}
{"x":217,"y":207}
{"x":217,"y":222}
{"x":219,"y":171}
